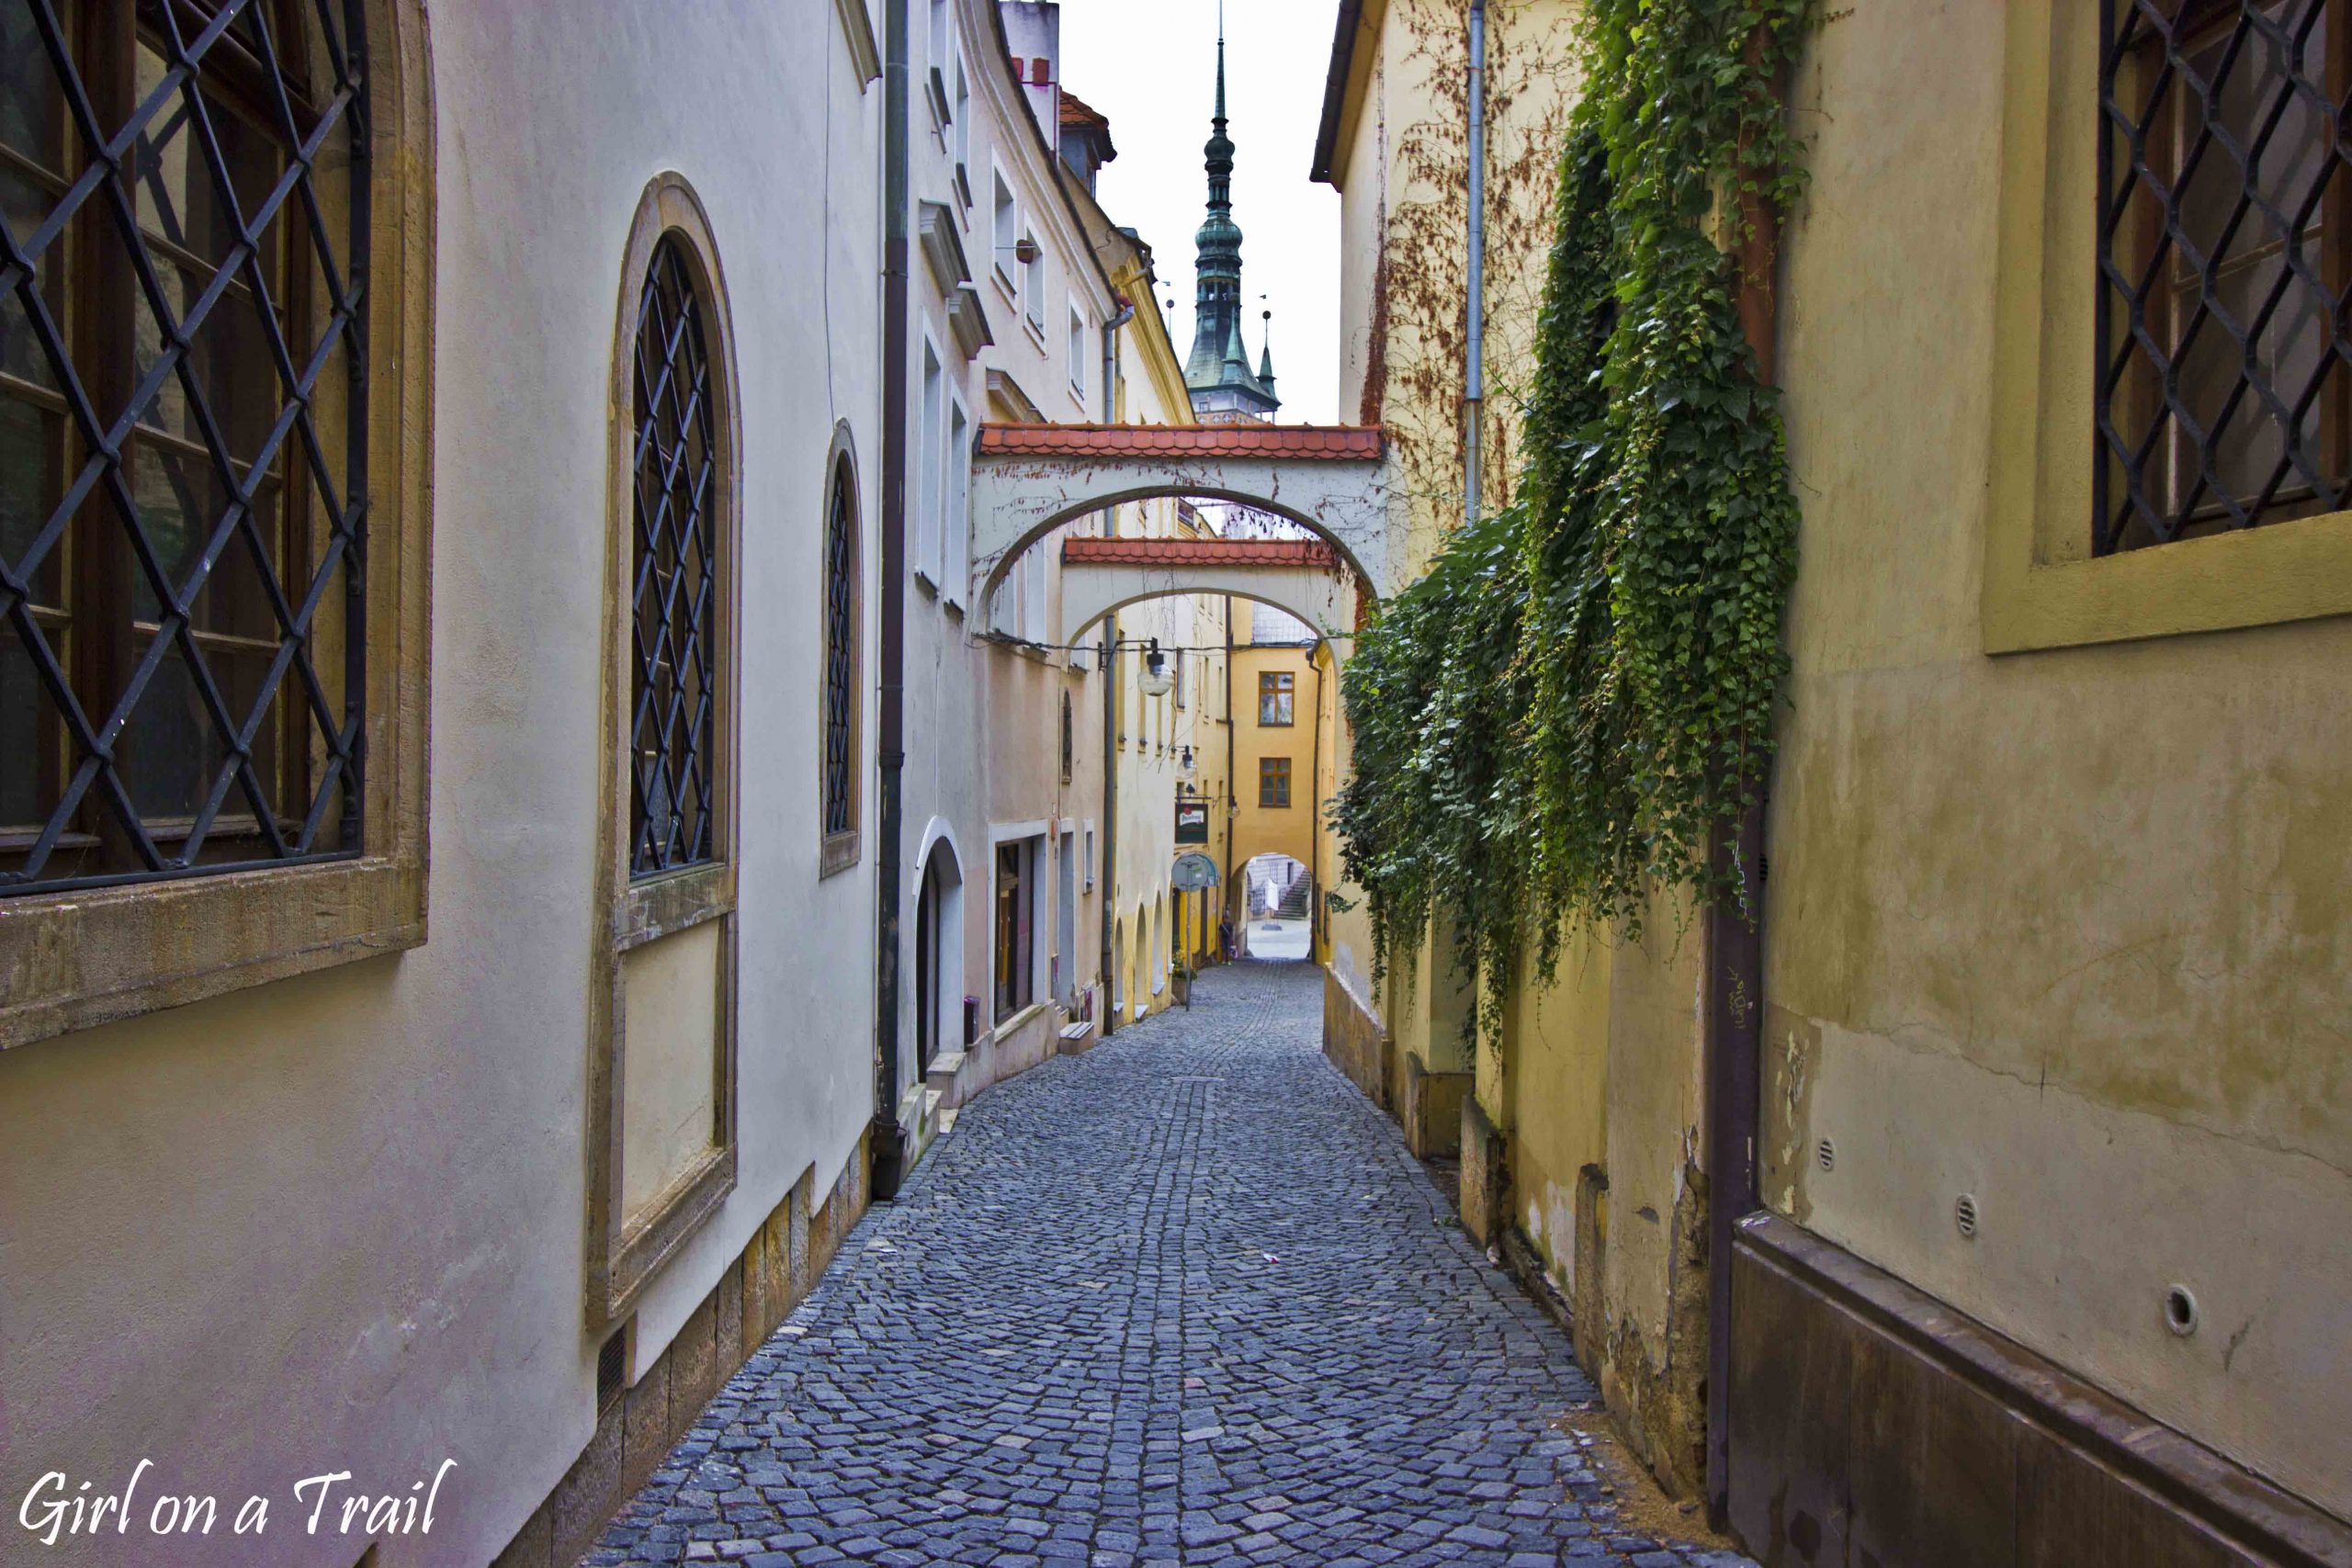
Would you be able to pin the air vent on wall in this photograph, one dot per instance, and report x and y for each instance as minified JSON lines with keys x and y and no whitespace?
{"x":1827,"y":1153}
{"x":1963,"y":1214}
{"x":612,"y":1369}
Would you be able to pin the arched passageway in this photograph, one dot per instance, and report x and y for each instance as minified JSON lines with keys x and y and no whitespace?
{"x":1028,"y":480}
{"x":1272,"y":905}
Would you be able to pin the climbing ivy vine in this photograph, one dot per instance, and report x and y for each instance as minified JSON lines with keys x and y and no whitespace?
{"x":1551,"y":722}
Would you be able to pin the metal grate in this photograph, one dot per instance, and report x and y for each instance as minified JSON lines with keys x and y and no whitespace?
{"x":2224,"y":394}
{"x":673,"y":711}
{"x":840,"y":654}
{"x":183,"y":454}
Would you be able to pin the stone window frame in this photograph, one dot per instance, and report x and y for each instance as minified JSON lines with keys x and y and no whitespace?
{"x":2042,"y":588}
{"x":73,"y":960}
{"x":838,"y":852}
{"x":624,"y":1258}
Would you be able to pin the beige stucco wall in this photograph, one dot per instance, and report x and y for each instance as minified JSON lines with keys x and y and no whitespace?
{"x":1546,"y":1085}
{"x":2065,"y":930}
{"x":335,"y":1221}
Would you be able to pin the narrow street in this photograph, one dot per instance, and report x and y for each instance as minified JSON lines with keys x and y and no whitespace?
{"x":1186,"y":1298}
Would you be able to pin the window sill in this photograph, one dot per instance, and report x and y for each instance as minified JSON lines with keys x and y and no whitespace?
{"x":74,"y":961}
{"x":838,"y":854}
{"x":655,"y":1236}
{"x":2264,"y":576}
{"x":1018,"y":1018}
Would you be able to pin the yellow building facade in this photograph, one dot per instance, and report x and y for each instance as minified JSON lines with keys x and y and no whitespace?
{"x":2054,"y":1134}
{"x":1285,"y":696}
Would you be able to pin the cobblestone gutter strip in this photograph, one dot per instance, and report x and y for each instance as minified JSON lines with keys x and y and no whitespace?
{"x":1183,"y":1299}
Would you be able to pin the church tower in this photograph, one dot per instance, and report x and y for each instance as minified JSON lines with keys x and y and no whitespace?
{"x":1224,"y":389}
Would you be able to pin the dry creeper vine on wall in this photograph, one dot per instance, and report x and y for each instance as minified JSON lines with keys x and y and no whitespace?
{"x":1549,"y":723}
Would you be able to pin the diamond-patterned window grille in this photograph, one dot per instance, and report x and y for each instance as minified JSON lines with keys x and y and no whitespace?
{"x":673,"y":708}
{"x":2224,"y":387}
{"x":840,"y":659}
{"x":183,"y":420}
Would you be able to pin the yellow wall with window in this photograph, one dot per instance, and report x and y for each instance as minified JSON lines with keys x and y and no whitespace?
{"x":1300,"y":751}
{"x":2060,"y":846}
{"x":2066,"y":928}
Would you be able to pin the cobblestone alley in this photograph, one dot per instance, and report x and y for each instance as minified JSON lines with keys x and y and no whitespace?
{"x":1186,"y":1298}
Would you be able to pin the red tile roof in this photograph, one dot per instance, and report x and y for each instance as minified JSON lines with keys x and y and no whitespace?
{"x":1307,"y":442}
{"x":1198,"y":552}
{"x":1075,"y":112}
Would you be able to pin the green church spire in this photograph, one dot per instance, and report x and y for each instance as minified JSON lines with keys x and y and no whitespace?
{"x":1217,"y":371}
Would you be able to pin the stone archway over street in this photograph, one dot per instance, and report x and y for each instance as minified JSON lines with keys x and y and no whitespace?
{"x":1303,"y":577}
{"x":1028,"y":479}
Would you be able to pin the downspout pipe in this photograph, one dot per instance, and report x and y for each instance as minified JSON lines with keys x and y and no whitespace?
{"x":1109,"y":883}
{"x":1734,"y":934}
{"x":887,"y":1141}
{"x":1314,"y":818}
{"x":1230,"y":806}
{"x":1473,"y":369}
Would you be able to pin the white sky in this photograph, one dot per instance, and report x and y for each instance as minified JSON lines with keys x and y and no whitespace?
{"x":1150,"y":66}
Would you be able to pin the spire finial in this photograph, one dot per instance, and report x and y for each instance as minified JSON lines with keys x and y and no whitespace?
{"x":1220,"y":64}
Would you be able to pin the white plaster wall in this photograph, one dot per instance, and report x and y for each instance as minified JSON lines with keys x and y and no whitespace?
{"x":335,"y":1221}
{"x":983,"y":718}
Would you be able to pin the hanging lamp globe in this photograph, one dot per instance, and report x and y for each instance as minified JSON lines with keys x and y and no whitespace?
{"x":1155,"y":680}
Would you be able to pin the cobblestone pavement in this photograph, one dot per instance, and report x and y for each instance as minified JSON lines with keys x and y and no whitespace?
{"x":1184,"y":1298}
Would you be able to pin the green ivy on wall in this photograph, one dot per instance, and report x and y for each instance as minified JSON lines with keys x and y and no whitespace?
{"x":1550,"y":722}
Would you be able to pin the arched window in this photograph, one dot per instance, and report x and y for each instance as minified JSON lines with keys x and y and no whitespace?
{"x":662,"y":1114}
{"x":675,"y":708}
{"x":838,"y":744}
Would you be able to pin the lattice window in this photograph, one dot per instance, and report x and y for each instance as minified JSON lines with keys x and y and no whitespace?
{"x":840,"y":659}
{"x":673,"y":738}
{"x":2225,"y":397}
{"x":183,"y":419}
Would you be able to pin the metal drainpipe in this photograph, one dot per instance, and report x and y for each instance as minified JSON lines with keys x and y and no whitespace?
{"x":1734,"y":944}
{"x":1314,"y":817}
{"x":1474,"y":377}
{"x":1232,"y":800}
{"x":1109,"y":885}
{"x":886,"y":1142}
{"x":1110,"y":815}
